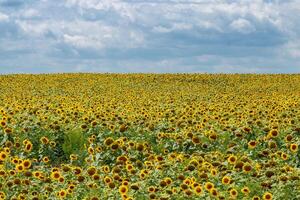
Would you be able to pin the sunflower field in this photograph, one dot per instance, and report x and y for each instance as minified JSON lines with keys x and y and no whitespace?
{"x":149,"y":136}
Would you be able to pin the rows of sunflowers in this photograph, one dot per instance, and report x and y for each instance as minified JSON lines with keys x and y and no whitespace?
{"x":149,"y":136}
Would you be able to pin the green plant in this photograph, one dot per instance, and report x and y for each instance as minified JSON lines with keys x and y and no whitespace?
{"x":74,"y":141}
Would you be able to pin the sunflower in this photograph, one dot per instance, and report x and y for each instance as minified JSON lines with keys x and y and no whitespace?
{"x":187,"y":181}
{"x":108,"y":141}
{"x":20,"y":167}
{"x":3,"y":155}
{"x":198,"y":190}
{"x":188,"y":192}
{"x":21,"y":197}
{"x":129,"y":167}
{"x":122,"y":128}
{"x":71,"y":186}
{"x":196,"y":140}
{"x":52,"y":144}
{"x":37,"y":174}
{"x":107,"y":180}
{"x":9,"y":184}
{"x":98,"y":149}
{"x":284,"y":156}
{"x":91,"y":140}
{"x":3,"y":123}
{"x":8,"y":145}
{"x":61,"y":179}
{"x":62,"y":194}
{"x":226,"y":180}
{"x":213,"y":136}
{"x":80,"y":178}
{"x":94,"y":123}
{"x":125,"y":182}
{"x":214,"y":192}
{"x":163,"y":183}
{"x":8,"y":130}
{"x":151,"y":189}
{"x":27,"y":164}
{"x":55,"y":175}
{"x":65,"y":168}
{"x":267,"y":196}
{"x":2,"y":173}
{"x":273,"y":133}
{"x":142,"y":175}
{"x":232,"y":159}
{"x":252,"y":144}
{"x":168,"y":180}
{"x":245,"y":190}
{"x":272,"y":145}
{"x":152,"y":196}
{"x":55,"y":169}
{"x":294,"y":147}
{"x":17,"y":144}
{"x":77,"y":171}
{"x":135,"y":186}
{"x":91,"y":150}
{"x":84,"y":126}
{"x":2,"y":195}
{"x":105,"y":169}
{"x":73,"y":157}
{"x":111,"y":127}
{"x":123,"y":189}
{"x":69,"y":191}
{"x":28,"y":147}
{"x":46,"y":159}
{"x":96,"y":177}
{"x":131,"y":144}
{"x":233,"y":193}
{"x":91,"y":170}
{"x":208,"y":186}
{"x":213,"y":172}
{"x":288,"y":138}
{"x":247,"y":168}
{"x":44,"y":140}
{"x":140,"y":147}
{"x":111,"y":185}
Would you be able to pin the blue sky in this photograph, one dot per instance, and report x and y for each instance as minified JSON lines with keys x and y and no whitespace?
{"x":228,"y":36}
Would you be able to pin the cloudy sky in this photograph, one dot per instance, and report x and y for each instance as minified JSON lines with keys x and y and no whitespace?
{"x":245,"y":36}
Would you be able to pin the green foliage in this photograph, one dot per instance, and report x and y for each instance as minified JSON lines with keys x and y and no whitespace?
{"x":73,"y":143}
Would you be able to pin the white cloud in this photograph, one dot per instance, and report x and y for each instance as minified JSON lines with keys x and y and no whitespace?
{"x":84,"y":34}
{"x":82,"y":41}
{"x":291,"y":49}
{"x":29,"y":13}
{"x":36,"y":28}
{"x":242,"y":25}
{"x":164,"y":16}
{"x":122,"y":8}
{"x":3,"y":17}
{"x":174,"y":27}
{"x":99,"y":35}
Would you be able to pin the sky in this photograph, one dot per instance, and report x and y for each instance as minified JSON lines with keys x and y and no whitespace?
{"x":156,"y":36}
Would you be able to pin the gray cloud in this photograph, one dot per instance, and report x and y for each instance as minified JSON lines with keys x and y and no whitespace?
{"x":149,"y":36}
